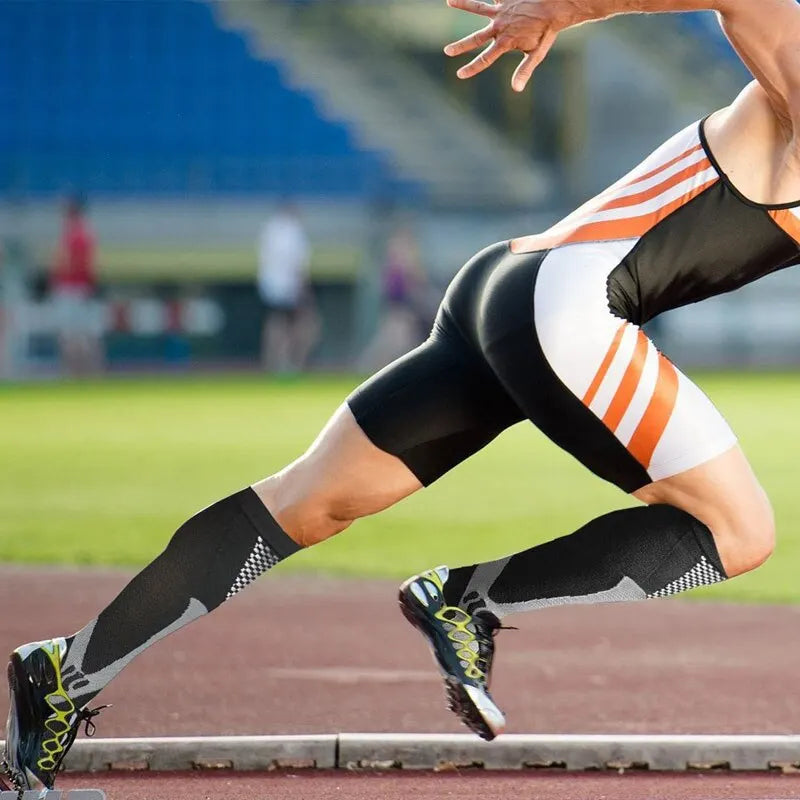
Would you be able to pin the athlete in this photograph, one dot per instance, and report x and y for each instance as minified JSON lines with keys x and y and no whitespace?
{"x":544,"y":328}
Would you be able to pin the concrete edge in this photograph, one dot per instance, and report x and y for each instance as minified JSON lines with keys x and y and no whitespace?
{"x":439,"y":752}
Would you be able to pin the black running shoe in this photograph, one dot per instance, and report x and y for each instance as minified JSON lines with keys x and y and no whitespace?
{"x":42,"y":719}
{"x":463,"y":645}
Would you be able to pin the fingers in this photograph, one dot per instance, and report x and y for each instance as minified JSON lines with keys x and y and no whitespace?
{"x":482,"y":61}
{"x":522,"y":74}
{"x":477,"y":39}
{"x":474,"y":7}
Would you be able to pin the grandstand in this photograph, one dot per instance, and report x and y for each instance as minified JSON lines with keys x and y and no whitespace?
{"x":154,"y":97}
{"x":180,"y":98}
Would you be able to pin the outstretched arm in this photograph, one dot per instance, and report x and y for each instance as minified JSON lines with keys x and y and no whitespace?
{"x":765,"y":33}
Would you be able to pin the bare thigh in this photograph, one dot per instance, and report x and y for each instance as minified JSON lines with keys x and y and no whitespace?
{"x":725,"y":494}
{"x":400,"y":430}
{"x":340,"y":478}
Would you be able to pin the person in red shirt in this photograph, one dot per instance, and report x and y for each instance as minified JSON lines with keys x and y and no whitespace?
{"x":73,"y":283}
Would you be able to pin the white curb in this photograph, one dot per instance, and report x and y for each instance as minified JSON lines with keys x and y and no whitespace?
{"x":204,"y":752}
{"x":439,"y":752}
{"x":571,"y":752}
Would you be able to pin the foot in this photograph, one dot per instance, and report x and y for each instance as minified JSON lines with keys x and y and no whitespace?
{"x":42,"y":719}
{"x":463,"y":645}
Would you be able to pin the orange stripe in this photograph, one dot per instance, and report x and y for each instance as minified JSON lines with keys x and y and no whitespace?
{"x":664,"y":186}
{"x":627,"y":387}
{"x":597,"y":202}
{"x":675,"y":160}
{"x":608,"y":230}
{"x":787,"y":221}
{"x":603,"y":202}
{"x":537,"y":241}
{"x":651,"y":428}
{"x":632,"y":227}
{"x":604,"y":367}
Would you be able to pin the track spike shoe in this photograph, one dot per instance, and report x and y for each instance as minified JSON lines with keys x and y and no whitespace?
{"x":463,"y":645}
{"x":42,"y":718}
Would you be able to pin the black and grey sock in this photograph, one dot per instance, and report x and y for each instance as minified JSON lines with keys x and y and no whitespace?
{"x":633,"y":554}
{"x":211,"y":557}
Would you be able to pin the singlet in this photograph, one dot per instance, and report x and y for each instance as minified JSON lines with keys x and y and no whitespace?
{"x":692,"y":234}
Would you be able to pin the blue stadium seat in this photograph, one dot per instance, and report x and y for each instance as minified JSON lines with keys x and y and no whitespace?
{"x":153,"y":98}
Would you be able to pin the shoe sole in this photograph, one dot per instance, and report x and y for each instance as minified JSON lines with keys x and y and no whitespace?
{"x":12,"y":734}
{"x":12,"y":725}
{"x":18,"y":679}
{"x":469,"y":703}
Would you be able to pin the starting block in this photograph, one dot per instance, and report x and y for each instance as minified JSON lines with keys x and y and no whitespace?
{"x":55,"y":794}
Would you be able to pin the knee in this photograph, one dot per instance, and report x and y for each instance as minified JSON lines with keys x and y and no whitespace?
{"x":748,"y":540}
{"x":306,"y":515}
{"x":311,"y":521}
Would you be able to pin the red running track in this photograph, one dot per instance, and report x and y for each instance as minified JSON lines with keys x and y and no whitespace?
{"x":477,"y":785}
{"x":317,"y":655}
{"x":306,"y":655}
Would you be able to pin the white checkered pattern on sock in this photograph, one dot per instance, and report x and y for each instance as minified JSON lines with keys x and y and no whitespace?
{"x":703,"y":573}
{"x":260,"y":560}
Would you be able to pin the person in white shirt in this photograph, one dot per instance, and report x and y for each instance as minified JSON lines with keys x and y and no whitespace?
{"x":284,"y":255}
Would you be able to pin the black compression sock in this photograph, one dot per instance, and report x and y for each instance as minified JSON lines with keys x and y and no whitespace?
{"x":211,"y":557}
{"x":651,"y":551}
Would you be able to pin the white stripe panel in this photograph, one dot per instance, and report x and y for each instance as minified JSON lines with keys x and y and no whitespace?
{"x":576,"y":328}
{"x":643,"y":186}
{"x":795,"y":211}
{"x":679,"y":143}
{"x":684,"y":140}
{"x":657,"y":203}
{"x":696,"y":433}
{"x":610,"y":384}
{"x":577,"y":218}
{"x":573,"y":323}
{"x":641,"y":397}
{"x":589,"y":212}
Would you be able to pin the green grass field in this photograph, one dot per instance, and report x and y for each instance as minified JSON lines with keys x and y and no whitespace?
{"x":103,"y":473}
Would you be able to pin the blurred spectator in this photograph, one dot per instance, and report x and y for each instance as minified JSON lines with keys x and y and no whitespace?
{"x":290,"y":320}
{"x":73,"y":283}
{"x":14,"y":305}
{"x":408,"y":306}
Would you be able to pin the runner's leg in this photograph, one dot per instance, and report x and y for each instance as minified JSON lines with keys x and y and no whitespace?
{"x":434,"y":407}
{"x":341,"y":477}
{"x":725,"y":494}
{"x":600,"y":389}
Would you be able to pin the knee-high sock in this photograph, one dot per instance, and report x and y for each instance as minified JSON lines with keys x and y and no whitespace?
{"x":211,"y":557}
{"x":633,"y":554}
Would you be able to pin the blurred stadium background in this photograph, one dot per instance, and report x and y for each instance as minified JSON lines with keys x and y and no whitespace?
{"x":186,"y":123}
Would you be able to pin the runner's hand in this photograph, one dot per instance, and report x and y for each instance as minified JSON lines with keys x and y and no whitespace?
{"x":527,"y":25}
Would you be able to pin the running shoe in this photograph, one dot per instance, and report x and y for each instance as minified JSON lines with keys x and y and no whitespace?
{"x":463,"y":645}
{"x":42,"y":719}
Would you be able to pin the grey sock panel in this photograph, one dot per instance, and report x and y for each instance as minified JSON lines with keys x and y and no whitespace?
{"x":211,"y":557}
{"x":633,"y":554}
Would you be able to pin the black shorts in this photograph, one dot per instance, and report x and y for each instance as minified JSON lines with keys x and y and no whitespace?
{"x":532,"y":336}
